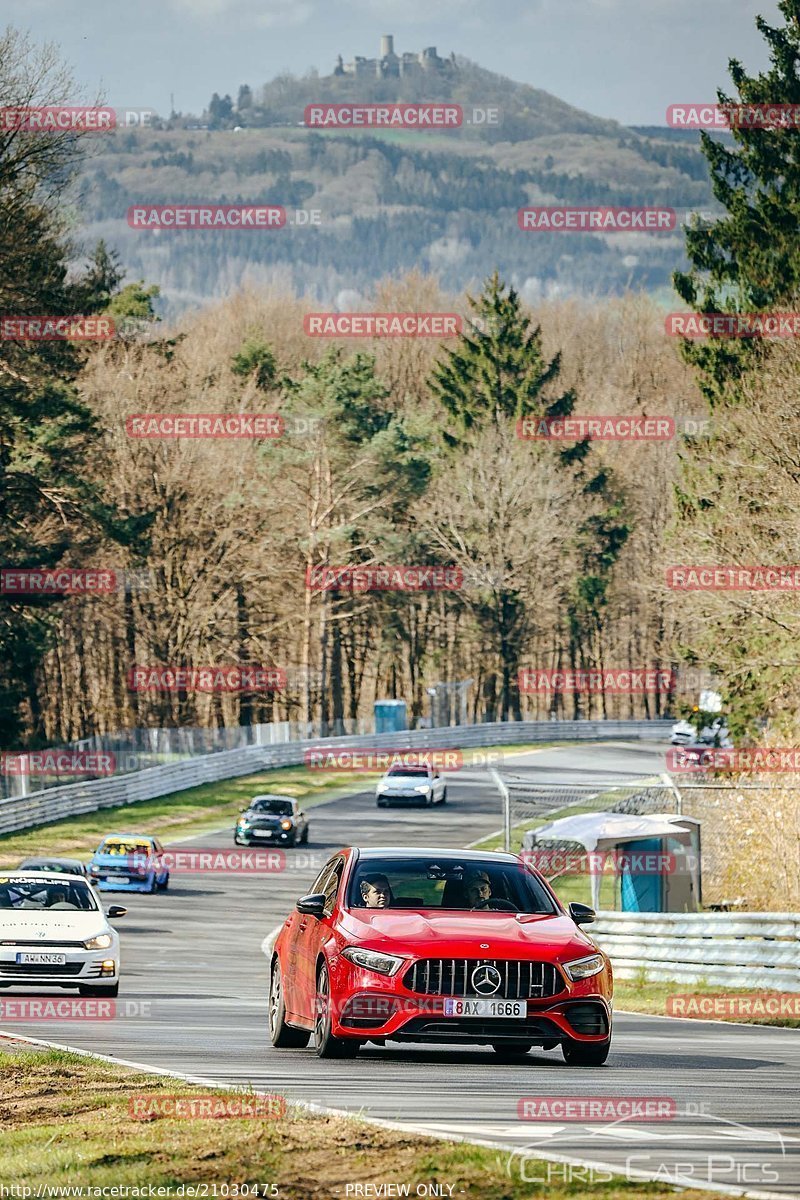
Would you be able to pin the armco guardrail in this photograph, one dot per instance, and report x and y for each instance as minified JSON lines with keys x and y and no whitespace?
{"x":754,"y":950}
{"x":72,"y":799}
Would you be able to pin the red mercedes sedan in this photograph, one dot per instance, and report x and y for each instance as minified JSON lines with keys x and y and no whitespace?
{"x":445,"y":946}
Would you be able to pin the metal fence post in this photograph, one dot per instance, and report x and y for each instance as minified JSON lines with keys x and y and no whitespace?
{"x":504,"y":792}
{"x":669,"y":782}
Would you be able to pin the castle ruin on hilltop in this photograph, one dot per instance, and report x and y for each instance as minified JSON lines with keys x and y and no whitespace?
{"x":390,"y":65}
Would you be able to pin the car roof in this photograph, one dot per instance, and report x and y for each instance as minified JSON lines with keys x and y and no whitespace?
{"x":52,"y":858}
{"x":40,"y":876}
{"x":270,"y":796}
{"x":136,"y":837}
{"x":401,"y":852}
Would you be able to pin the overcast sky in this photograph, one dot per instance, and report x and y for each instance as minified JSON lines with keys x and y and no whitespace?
{"x":626,"y":59}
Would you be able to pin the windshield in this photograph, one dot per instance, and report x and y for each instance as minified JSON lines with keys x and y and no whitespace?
{"x":447,"y":883}
{"x":68,"y":894}
{"x":122,"y":848}
{"x":280,"y":808}
{"x":422,"y":772}
{"x":55,"y":868}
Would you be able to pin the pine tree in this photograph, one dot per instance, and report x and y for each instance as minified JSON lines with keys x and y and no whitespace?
{"x":749,"y":261}
{"x":499,"y":370}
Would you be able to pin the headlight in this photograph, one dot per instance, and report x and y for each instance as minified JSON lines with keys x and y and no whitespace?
{"x":383,"y":786}
{"x":425,"y":787}
{"x":286,"y":824}
{"x":374,"y":960}
{"x":95,"y":870}
{"x":583,"y":968}
{"x":101,"y":942}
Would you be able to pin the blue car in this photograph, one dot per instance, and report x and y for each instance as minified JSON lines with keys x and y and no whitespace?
{"x":129,"y":862}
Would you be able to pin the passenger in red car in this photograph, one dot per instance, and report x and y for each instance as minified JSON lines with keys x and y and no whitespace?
{"x":376,"y":891}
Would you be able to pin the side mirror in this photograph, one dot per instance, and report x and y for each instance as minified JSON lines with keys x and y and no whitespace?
{"x":582,"y":914}
{"x":116,"y":910}
{"x":313,"y":905}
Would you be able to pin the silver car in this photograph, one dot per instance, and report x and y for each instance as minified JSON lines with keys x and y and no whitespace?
{"x":411,"y":785}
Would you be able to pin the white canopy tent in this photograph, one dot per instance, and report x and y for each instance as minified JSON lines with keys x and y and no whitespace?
{"x":606,"y":831}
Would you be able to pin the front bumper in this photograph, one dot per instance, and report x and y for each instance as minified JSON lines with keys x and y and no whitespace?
{"x":111,"y":883}
{"x":370,"y":1006}
{"x":269,"y":837}
{"x":403,"y":797}
{"x":81,"y":967}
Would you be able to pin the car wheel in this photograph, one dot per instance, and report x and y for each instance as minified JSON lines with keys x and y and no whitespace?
{"x":283,"y":1036}
{"x":87,"y":989}
{"x":304,"y":838}
{"x":444,"y":797}
{"x":325,"y":1044}
{"x":163,"y":886}
{"x":585,"y":1054}
{"x":237,"y":840}
{"x":152,"y":885}
{"x":511,"y":1050}
{"x":381,"y":803}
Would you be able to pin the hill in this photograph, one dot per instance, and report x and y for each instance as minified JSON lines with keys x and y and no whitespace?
{"x":389,"y":201}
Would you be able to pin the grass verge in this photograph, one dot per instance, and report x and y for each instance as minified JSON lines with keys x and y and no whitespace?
{"x":199,"y":810}
{"x":650,"y":997}
{"x":66,"y":1121}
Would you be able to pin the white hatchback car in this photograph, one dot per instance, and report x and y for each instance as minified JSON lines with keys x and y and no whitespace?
{"x":411,"y":785}
{"x":53,"y":933}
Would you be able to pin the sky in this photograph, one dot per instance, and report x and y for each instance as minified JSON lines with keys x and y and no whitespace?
{"x":624,"y":59}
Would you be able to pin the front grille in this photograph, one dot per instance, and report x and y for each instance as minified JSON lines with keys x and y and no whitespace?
{"x":9,"y":968}
{"x":520,"y":978}
{"x":38,"y":945}
{"x":423,"y":1029}
{"x":590,"y":1020}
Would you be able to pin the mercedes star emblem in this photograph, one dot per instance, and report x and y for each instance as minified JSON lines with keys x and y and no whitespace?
{"x":486,"y":979}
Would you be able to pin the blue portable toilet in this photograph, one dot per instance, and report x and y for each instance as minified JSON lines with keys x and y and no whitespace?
{"x":641,"y":892}
{"x":390,"y":716}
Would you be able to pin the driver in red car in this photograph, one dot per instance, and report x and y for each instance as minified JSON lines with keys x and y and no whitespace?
{"x":478,"y":888}
{"x":376,"y":891}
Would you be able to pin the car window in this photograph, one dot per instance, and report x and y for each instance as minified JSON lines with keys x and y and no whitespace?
{"x":422,"y":772}
{"x":278,"y":808}
{"x":454,"y":884}
{"x":119,"y":847}
{"x":67,"y":894}
{"x":319,"y":883}
{"x":331,"y":885}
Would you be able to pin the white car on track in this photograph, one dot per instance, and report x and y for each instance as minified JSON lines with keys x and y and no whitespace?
{"x":411,"y":785}
{"x":54,"y":934}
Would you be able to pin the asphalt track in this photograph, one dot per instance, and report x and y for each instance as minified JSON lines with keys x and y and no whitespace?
{"x":193,"y":1001}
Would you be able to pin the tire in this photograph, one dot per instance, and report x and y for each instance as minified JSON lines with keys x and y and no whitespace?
{"x":380,"y":803}
{"x":88,"y":989}
{"x":152,"y":886}
{"x":163,"y":886}
{"x":325,"y":1044}
{"x":511,"y":1050}
{"x":585,"y":1054}
{"x":282,"y":1036}
{"x":237,"y":840}
{"x":304,"y":838}
{"x":444,"y":797}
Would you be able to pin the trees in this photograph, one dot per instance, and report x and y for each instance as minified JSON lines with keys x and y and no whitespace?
{"x":51,"y":497}
{"x":736,"y":489}
{"x":750,"y":259}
